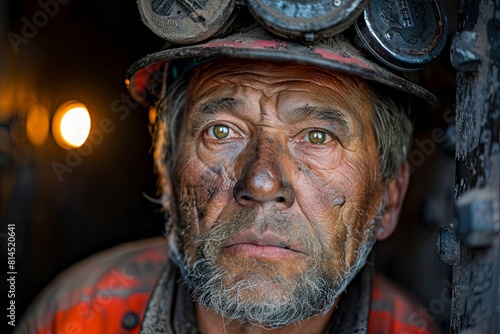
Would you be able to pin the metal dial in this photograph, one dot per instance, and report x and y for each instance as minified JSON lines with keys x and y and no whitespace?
{"x":185,"y":21}
{"x":307,"y":20}
{"x":404,"y":34}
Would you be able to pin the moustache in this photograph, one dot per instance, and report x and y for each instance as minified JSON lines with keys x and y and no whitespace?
{"x":248,"y":225}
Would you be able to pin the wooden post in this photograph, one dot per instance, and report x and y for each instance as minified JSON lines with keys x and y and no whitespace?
{"x":475,"y":53}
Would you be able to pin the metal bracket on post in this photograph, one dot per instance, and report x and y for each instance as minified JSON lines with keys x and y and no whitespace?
{"x":478,"y":214}
{"x":463,"y":52}
{"x":478,"y":211}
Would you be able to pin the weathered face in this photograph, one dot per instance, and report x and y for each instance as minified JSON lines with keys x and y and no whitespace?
{"x":276,"y":181}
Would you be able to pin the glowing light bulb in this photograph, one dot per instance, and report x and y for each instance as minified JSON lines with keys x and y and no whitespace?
{"x":71,"y":125}
{"x":75,"y":126}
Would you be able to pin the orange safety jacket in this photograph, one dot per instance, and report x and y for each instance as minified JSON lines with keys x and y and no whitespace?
{"x":109,"y":293}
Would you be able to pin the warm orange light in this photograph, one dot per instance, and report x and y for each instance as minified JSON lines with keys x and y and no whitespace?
{"x":153,"y":114}
{"x":37,"y":124}
{"x":71,"y":125}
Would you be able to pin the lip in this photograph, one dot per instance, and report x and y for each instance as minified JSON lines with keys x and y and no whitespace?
{"x":268,"y":244}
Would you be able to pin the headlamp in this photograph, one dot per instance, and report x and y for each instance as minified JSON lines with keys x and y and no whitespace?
{"x":403,"y":34}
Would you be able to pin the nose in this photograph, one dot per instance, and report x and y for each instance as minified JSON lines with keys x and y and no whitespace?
{"x":263,"y":181}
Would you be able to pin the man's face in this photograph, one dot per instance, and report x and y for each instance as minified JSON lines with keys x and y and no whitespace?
{"x":276,"y":182}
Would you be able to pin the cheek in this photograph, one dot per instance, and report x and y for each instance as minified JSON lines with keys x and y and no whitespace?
{"x":338,"y":202}
{"x":324,"y":191}
{"x":202,"y":191}
{"x":365,"y":188}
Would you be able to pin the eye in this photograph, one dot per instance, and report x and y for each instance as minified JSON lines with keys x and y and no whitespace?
{"x":317,"y":137}
{"x":219,"y":131}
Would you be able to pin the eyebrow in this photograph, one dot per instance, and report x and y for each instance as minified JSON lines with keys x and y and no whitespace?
{"x":328,"y":114}
{"x":212,"y":108}
{"x":225,"y":103}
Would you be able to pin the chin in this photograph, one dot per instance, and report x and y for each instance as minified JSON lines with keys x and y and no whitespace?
{"x":265,"y":300}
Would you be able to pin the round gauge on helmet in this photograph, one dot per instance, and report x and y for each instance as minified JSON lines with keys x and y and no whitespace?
{"x":306,"y":19}
{"x":403,"y":34}
{"x":185,"y":21}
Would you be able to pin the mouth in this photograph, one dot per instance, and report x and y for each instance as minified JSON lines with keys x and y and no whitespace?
{"x":267,"y":245}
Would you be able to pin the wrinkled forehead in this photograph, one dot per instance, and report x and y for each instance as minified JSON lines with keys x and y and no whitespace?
{"x":273,"y":78}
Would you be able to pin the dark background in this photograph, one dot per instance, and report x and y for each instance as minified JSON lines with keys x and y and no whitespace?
{"x":82,"y":53}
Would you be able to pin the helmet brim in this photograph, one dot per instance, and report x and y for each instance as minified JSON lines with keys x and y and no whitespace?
{"x":335,"y":53}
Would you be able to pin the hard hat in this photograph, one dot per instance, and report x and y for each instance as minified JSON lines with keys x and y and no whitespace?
{"x":147,"y":77}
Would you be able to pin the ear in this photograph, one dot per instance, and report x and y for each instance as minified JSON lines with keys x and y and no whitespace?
{"x":395,"y":194}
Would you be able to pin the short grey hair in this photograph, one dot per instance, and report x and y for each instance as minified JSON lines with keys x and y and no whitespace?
{"x":393,"y":131}
{"x":392,"y":126}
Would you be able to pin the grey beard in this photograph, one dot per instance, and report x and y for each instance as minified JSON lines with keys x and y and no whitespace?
{"x":311,"y":293}
{"x":302,"y":300}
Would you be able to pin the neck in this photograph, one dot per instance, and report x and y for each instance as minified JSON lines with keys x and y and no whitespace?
{"x":212,"y":323}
